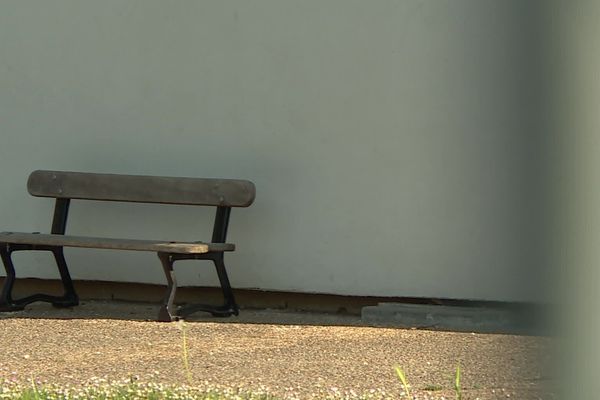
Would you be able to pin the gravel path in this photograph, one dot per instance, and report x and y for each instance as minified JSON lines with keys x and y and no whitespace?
{"x":297,"y":360}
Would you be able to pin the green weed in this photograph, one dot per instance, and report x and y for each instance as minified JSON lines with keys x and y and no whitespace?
{"x":457,"y":388}
{"x":184,"y":350}
{"x":402,"y":378}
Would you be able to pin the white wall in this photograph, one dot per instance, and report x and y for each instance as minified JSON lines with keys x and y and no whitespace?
{"x":391,"y":142}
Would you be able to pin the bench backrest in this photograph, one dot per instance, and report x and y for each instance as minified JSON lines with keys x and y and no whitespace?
{"x":141,"y":189}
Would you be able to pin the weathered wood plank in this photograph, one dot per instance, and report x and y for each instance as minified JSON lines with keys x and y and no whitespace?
{"x":143,"y":189}
{"x":116,"y":244}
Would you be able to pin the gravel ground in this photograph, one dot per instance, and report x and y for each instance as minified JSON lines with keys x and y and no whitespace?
{"x":289,"y":354}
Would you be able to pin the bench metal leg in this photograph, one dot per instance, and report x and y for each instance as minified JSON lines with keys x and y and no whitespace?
{"x":230,"y":304}
{"x":229,"y":307}
{"x":167,"y":311}
{"x":70,"y":297}
{"x":7,"y":303}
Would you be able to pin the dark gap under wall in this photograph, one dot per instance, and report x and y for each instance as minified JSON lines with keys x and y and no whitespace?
{"x":248,"y":298}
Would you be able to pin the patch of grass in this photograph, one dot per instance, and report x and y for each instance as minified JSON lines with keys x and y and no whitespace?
{"x":433,"y":388}
{"x":123,"y":391}
{"x":131,"y":389}
{"x":457,"y":386}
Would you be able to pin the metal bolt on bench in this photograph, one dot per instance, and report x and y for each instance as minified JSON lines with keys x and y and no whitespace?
{"x":64,"y":186}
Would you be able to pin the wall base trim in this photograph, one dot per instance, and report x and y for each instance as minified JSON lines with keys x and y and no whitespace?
{"x":246,"y":298}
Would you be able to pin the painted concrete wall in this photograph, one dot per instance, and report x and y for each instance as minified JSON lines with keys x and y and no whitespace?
{"x":392,"y":143}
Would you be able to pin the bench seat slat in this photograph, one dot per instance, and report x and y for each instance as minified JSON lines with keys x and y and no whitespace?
{"x":110,"y":243}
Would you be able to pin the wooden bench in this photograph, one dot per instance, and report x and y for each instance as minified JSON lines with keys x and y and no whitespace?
{"x":64,"y":186}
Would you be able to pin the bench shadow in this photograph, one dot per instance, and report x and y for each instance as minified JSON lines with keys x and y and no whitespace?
{"x":147,"y":312}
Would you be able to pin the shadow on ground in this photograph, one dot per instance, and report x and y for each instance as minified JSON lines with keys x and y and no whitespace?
{"x":134,"y":311}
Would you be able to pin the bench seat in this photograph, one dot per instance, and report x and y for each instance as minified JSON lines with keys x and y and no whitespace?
{"x":40,"y":239}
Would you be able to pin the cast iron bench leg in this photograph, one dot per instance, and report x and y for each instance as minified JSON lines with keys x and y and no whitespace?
{"x":70,"y":297}
{"x":7,"y":303}
{"x":168,"y":312}
{"x":230,"y":307}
